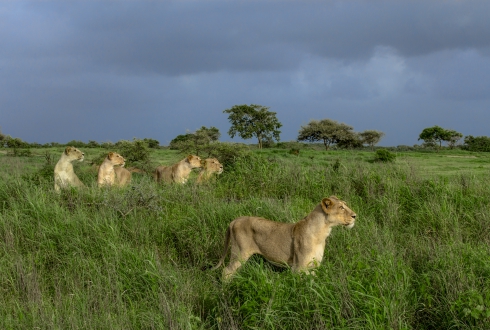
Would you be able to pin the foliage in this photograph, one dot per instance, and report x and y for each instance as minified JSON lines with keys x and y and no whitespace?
{"x":479,"y":143}
{"x":350,"y":140}
{"x":228,"y":153}
{"x":371,"y":137}
{"x":15,"y":143}
{"x":133,"y":151}
{"x":436,"y":134}
{"x":93,"y":144}
{"x":253,"y":121}
{"x":76,"y":144}
{"x":107,"y":145}
{"x":195,"y":143}
{"x":329,"y":132}
{"x":152,"y":143}
{"x":452,"y":138}
{"x":383,"y":155}
{"x":2,"y":138}
{"x":176,"y":142}
{"x":15,"y":152}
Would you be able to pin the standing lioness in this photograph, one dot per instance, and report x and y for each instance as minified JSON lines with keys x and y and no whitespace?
{"x":64,"y":176}
{"x":299,"y":245}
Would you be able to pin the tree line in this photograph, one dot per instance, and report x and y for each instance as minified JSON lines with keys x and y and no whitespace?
{"x":257,"y":121}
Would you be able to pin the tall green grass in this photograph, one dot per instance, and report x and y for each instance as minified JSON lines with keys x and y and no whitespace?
{"x":418,"y":257}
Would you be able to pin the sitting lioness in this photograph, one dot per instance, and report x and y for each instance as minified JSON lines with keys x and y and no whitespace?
{"x":179,"y":172}
{"x":108,"y":175}
{"x":64,"y":176}
{"x":299,"y":245}
{"x":210,"y":167}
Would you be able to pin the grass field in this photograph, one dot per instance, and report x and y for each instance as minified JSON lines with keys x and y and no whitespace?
{"x":418,"y":257}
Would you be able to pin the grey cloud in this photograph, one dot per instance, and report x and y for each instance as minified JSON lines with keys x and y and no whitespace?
{"x":185,"y":37}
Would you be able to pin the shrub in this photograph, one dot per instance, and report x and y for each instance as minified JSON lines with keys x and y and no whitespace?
{"x":135,"y":151}
{"x":479,"y":143}
{"x":383,"y":155}
{"x":152,"y":143}
{"x":228,"y":153}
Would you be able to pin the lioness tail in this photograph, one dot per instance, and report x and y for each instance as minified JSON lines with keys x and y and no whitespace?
{"x":225,"y":249}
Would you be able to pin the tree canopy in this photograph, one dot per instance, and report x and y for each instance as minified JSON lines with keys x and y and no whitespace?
{"x":438,"y":134}
{"x":329,"y":131}
{"x":197,"y":141}
{"x":253,"y":120}
{"x":371,"y":137}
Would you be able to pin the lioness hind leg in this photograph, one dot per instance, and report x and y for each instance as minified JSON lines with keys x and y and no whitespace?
{"x":236,"y":261}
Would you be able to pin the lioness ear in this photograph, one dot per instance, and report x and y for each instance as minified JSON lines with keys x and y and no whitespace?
{"x":110,"y":155}
{"x":189,"y":158}
{"x":68,"y":149}
{"x":326,"y":203}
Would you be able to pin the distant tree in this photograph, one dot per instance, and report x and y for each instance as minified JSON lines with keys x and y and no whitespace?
{"x":371,"y":137}
{"x":196,"y":142}
{"x":15,"y":143}
{"x":326,"y":130}
{"x":478,"y":143}
{"x":453,"y":137}
{"x":175,"y":143}
{"x":349,"y":140}
{"x":2,"y":138}
{"x":152,"y":143}
{"x":133,"y":151}
{"x":436,"y":134}
{"x":76,"y":143}
{"x":92,"y":144}
{"x":253,"y":121}
{"x":107,"y":145}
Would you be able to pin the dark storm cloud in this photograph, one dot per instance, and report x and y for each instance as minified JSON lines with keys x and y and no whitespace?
{"x":124,"y":69}
{"x":183,"y":37}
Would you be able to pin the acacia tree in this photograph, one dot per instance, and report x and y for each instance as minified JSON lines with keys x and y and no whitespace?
{"x":453,"y":137}
{"x":438,"y":134}
{"x":371,"y":137}
{"x":327,"y":130}
{"x":196,"y":142}
{"x":253,"y":121}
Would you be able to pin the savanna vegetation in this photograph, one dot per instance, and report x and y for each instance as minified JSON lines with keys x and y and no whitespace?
{"x":139,"y":257}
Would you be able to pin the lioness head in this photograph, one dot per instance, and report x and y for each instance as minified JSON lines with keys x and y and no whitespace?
{"x":116,"y":159}
{"x":338,"y":212}
{"x":74,"y":154}
{"x":212,"y":165}
{"x":194,"y":161}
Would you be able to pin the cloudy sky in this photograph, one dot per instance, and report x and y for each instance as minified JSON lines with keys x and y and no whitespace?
{"x":108,"y":70}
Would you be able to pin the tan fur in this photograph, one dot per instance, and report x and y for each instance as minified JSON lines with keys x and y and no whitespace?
{"x":178,"y":173}
{"x":210,"y":167}
{"x":64,"y":176}
{"x":111,"y":171}
{"x":298,"y":245}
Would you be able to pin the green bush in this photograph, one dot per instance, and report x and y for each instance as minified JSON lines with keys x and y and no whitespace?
{"x":383,"y":155}
{"x":479,"y":143}
{"x":133,"y":151}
